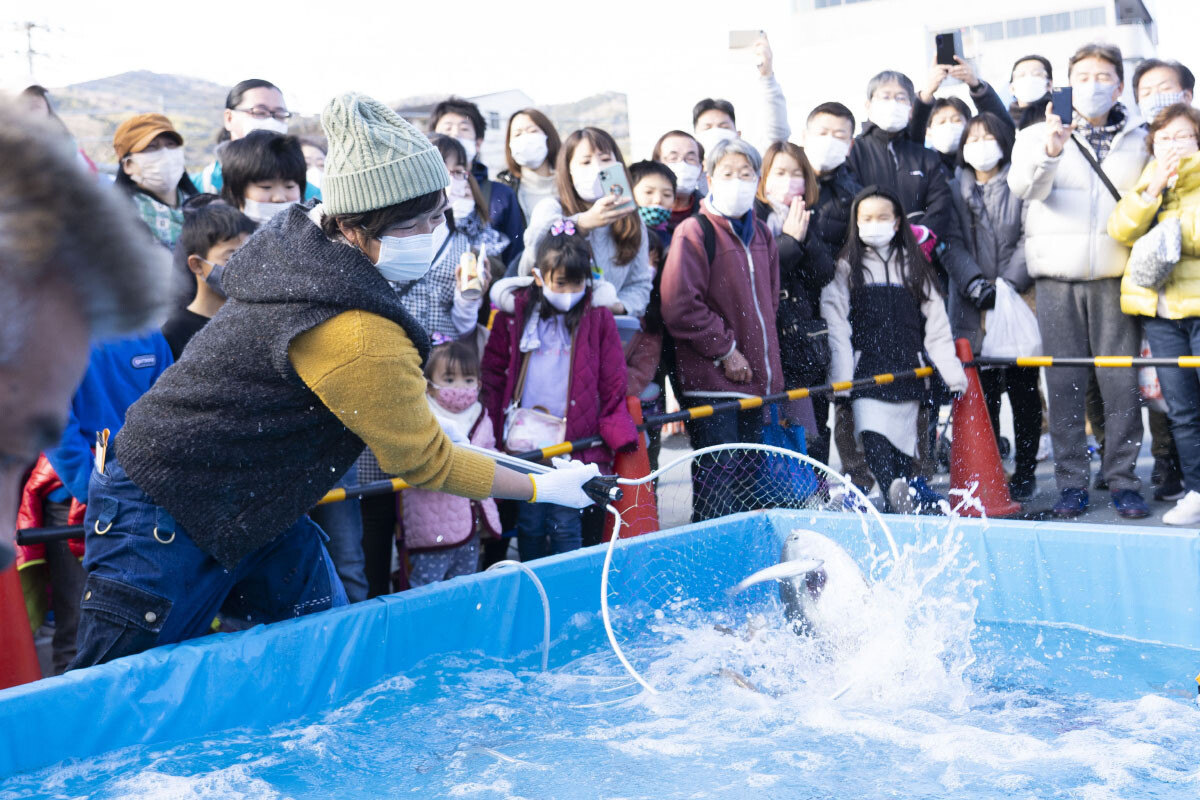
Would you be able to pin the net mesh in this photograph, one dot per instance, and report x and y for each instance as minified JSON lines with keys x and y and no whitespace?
{"x":656,"y":589}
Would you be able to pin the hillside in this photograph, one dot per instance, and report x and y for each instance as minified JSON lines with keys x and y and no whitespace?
{"x":93,"y":109}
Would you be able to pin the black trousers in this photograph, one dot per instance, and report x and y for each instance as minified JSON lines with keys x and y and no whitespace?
{"x":1021,"y":385}
{"x":379,"y":537}
{"x":886,"y":462}
{"x":725,"y":482}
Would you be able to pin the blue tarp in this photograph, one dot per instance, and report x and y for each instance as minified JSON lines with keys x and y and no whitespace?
{"x":1142,"y":583}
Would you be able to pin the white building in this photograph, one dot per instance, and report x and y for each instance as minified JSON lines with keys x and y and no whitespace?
{"x":829,"y":49}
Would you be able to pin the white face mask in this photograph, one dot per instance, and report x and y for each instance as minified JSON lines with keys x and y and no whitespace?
{"x":468,"y":145}
{"x":405,"y":258}
{"x":708,"y":138}
{"x":563,"y":301}
{"x":982,"y":155}
{"x":586,"y":179}
{"x":462,"y":202}
{"x":945,"y":137}
{"x":529,"y":149}
{"x":826,"y":153}
{"x":877,"y":234}
{"x":891,"y":115}
{"x":263,"y":212}
{"x":1150,"y":106}
{"x":1093,"y":99}
{"x":250,"y":123}
{"x":686,"y":176}
{"x":160,"y":170}
{"x":731,"y":197}
{"x":1030,"y":89}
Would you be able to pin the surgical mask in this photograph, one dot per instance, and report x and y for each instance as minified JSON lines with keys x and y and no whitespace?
{"x":945,"y":137}
{"x":686,"y":176}
{"x":405,"y":258}
{"x":269,"y":124}
{"x":1093,"y":99}
{"x":1029,"y":89}
{"x":161,"y":169}
{"x":826,"y":153}
{"x":563,"y":301}
{"x":891,"y":115}
{"x":877,"y":234}
{"x":654,"y":216}
{"x":587,"y":181}
{"x":782,"y":189}
{"x":456,"y":399}
{"x":314,"y":176}
{"x":468,"y":145}
{"x":529,"y":149}
{"x":731,"y":197}
{"x":1155,"y":103}
{"x":263,"y":212}
{"x":983,"y":155}
{"x":214,"y":276}
{"x":462,"y":202}
{"x":708,"y":139}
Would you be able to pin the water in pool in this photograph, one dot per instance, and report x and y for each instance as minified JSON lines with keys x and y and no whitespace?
{"x":934,"y":706}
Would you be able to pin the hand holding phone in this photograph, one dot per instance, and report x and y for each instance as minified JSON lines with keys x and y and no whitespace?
{"x":615,"y":183}
{"x":1058,"y":121}
{"x":1062,"y":104}
{"x":948,"y":45}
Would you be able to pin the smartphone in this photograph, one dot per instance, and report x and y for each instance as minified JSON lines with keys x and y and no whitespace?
{"x":742,"y":39}
{"x":614,"y":181}
{"x":1061,"y":104}
{"x":948,"y":46}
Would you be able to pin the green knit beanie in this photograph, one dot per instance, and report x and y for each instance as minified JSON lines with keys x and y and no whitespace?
{"x":376,"y":158}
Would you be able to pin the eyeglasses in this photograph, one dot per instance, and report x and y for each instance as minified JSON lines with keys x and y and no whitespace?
{"x":458,"y":172}
{"x":1183,"y":137}
{"x":259,"y":112}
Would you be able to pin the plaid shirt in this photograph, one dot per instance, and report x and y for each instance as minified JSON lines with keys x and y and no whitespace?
{"x":164,"y":222}
{"x":430,"y":300}
{"x":1100,"y":137}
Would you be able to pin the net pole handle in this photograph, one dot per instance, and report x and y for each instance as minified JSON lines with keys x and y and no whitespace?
{"x":604,"y":490}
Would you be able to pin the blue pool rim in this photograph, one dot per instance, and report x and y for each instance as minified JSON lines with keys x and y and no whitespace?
{"x":1139,"y":583}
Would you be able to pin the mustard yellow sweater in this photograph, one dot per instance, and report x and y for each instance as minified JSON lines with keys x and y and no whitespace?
{"x":367,"y":372}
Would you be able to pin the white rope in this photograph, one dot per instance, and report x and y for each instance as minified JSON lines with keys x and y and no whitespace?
{"x":541,"y":590}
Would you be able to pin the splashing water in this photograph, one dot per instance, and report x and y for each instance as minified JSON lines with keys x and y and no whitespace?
{"x":937,"y":707}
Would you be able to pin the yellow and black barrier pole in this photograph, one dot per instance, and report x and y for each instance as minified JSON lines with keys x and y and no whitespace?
{"x":27,"y":536}
{"x":1108,"y":362}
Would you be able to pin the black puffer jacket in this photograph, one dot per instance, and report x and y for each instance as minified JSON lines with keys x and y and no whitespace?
{"x":831,"y":217}
{"x":912,"y":171}
{"x":805,"y":266}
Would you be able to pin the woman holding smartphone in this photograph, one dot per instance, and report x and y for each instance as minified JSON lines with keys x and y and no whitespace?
{"x":615,"y":231}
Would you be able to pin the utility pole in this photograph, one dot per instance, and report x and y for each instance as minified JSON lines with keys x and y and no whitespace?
{"x":29,"y":28}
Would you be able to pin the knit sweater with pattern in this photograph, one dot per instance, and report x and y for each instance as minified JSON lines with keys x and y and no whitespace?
{"x":237,"y":445}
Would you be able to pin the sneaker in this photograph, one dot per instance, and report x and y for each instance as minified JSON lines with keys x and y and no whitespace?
{"x":1022,"y":487}
{"x":1045,"y":449}
{"x":1170,"y":489}
{"x":1185,"y":512}
{"x":1130,"y":504}
{"x":926,"y":500}
{"x":899,"y":498}
{"x":1071,"y":503}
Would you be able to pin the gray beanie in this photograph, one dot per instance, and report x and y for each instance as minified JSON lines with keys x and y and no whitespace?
{"x":376,"y":159}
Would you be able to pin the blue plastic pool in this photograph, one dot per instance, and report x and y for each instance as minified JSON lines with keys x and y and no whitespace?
{"x":1038,"y":660}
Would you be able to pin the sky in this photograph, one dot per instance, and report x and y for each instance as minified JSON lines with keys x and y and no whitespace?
{"x":392,"y":50}
{"x":553,"y":50}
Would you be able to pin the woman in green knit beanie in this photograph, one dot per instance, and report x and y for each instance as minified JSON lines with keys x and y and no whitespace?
{"x":311,"y":357}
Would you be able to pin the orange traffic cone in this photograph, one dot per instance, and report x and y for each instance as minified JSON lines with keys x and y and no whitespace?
{"x":18,"y":658}
{"x":638,"y":506}
{"x":974,"y":455}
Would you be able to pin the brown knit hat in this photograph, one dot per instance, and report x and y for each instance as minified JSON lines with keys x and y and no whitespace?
{"x":135,"y":133}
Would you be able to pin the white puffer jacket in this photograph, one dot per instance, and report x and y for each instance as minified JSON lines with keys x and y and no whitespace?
{"x":1066,"y":233}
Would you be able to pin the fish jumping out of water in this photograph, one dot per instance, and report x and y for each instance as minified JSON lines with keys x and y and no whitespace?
{"x":819,"y":582}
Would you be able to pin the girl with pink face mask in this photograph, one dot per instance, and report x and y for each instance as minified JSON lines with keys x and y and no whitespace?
{"x":442,"y":532}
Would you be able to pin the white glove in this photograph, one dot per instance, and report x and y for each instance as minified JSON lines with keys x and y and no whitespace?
{"x":564,"y":485}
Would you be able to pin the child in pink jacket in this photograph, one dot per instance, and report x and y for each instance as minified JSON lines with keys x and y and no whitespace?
{"x":442,"y":531}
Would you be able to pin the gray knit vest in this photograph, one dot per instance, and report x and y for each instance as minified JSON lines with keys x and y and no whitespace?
{"x":230,"y":440}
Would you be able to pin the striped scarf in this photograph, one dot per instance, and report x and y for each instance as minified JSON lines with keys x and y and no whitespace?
{"x":1100,"y":137}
